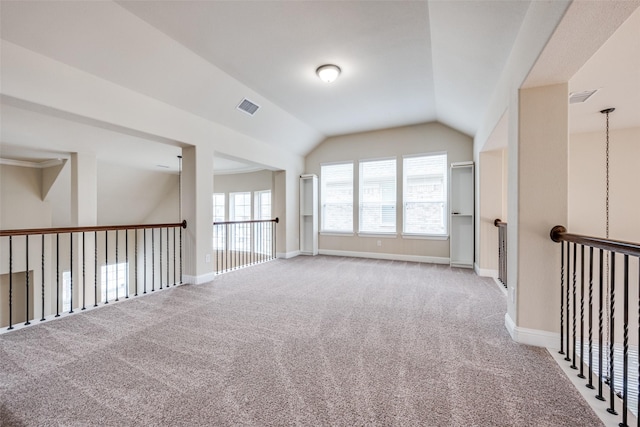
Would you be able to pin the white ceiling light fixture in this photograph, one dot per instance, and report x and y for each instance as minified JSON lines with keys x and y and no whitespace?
{"x":328,"y":72}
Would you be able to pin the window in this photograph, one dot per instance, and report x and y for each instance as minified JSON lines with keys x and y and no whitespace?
{"x":263,"y":204}
{"x":378,"y":196}
{"x":240,"y":210}
{"x":262,"y":231}
{"x":425,"y":194}
{"x":240,"y":206}
{"x":219,"y":234}
{"x":114,"y":276}
{"x":336,"y":189}
{"x":218,"y":207}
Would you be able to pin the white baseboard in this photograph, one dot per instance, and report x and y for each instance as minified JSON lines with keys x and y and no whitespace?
{"x":287,"y":255}
{"x":535,"y":337}
{"x":394,"y":257}
{"x":198,"y":280}
{"x":485,"y":272}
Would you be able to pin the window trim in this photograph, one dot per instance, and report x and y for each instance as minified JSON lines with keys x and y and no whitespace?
{"x":366,"y":233}
{"x":427,"y":236}
{"x":329,"y":232}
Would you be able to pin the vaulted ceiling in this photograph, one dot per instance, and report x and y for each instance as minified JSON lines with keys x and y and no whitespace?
{"x":403,"y":62}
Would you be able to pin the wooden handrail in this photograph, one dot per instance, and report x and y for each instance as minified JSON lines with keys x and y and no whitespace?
{"x":559,"y":234}
{"x":499,"y":223}
{"x":254,"y":221}
{"x":63,"y":230}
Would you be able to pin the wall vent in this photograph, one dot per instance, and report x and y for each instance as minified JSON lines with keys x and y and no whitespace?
{"x":248,"y":107}
{"x":580,"y":97}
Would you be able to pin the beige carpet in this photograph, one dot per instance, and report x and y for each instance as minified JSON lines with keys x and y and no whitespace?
{"x":310,"y":341}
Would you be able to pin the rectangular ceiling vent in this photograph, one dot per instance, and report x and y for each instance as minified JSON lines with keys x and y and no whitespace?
{"x":580,"y":97}
{"x":248,"y":107}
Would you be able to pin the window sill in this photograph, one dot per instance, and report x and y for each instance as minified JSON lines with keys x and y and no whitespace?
{"x":383,"y":235}
{"x":337,"y":233}
{"x":424,"y":236}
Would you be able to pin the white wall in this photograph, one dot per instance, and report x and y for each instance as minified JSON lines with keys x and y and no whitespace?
{"x":251,"y":181}
{"x":418,"y":139}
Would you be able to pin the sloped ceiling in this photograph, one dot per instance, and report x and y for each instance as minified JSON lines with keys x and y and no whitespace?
{"x":403,"y":62}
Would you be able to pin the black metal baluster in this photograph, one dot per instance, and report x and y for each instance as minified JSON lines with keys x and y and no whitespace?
{"x":599,"y":396}
{"x":568,"y":357}
{"x":590,"y":384}
{"x":106,"y":267}
{"x":174,"y":256}
{"x":573,"y":318}
{"x":227,"y":238}
{"x":117,"y":267}
{"x":135,"y":263}
{"x":84,"y":281}
{"x":581,"y":374}
{"x":181,"y":251}
{"x":145,"y":259}
{"x":42,"y":281}
{"x":625,"y":340}
{"x":27,"y":278}
{"x":273,"y":240}
{"x":95,"y":268}
{"x":168,"y":263}
{"x":10,"y":283}
{"x":612,"y":307}
{"x":561,"y":296}
{"x":71,"y":273}
{"x":153,"y":260}
{"x":126,"y":256}
{"x":57,"y":275}
{"x":160,"y":254}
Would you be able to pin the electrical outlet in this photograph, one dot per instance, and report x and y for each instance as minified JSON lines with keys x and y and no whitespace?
{"x":379,"y":242}
{"x":207,"y":258}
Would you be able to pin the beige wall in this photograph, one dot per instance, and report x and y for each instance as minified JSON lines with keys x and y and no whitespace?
{"x":21,"y":204}
{"x":418,"y":139}
{"x":131,"y":196}
{"x":492,"y":205}
{"x":587,"y":184}
{"x":538,"y":160}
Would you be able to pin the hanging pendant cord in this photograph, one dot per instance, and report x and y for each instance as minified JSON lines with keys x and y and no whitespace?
{"x":608,"y":298}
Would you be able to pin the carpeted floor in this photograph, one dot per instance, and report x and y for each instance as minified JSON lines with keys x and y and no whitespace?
{"x":309,"y":341}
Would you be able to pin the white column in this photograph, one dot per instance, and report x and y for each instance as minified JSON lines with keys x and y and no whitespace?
{"x":84,"y":212}
{"x":537,"y":198}
{"x":197,"y":210}
{"x":84,"y":186}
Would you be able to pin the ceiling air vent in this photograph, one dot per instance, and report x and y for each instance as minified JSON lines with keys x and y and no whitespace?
{"x":580,"y":97}
{"x":248,"y":107}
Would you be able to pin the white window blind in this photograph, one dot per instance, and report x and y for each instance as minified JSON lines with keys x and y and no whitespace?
{"x":263,"y":239}
{"x":263,"y":204}
{"x":219,"y":231}
{"x":336,"y":189}
{"x":218,"y":207}
{"x":425,"y":194}
{"x":378,"y":196}
{"x":240,"y":204}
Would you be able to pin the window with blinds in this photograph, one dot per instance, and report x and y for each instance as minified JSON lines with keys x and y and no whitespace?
{"x":378,"y":196}
{"x":336,"y":190}
{"x":425,"y":194}
{"x":262,"y":204}
{"x":240,"y":210}
{"x":219,"y":231}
